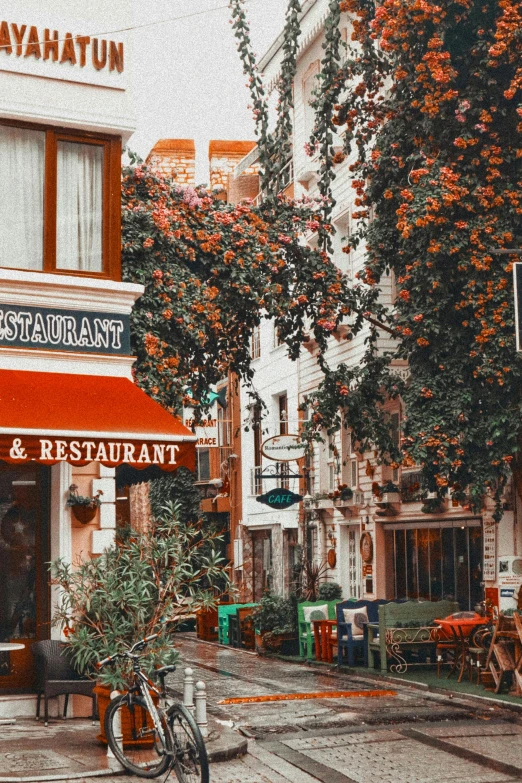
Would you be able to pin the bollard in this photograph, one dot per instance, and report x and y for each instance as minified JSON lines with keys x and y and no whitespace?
{"x":118,"y":736}
{"x":201,"y":708}
{"x":188,"y":690}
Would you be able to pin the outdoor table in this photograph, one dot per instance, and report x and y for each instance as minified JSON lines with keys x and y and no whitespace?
{"x":459,"y":630}
{"x":9,"y":647}
{"x":324,"y":636}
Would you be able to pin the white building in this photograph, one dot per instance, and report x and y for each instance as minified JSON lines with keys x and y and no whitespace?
{"x":70,"y":412}
{"x":374,"y":549}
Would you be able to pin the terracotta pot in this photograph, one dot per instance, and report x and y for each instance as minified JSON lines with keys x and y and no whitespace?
{"x":84,"y":514}
{"x":103,"y":695}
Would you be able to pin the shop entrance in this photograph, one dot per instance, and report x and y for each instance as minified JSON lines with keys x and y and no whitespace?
{"x":24,"y":578}
{"x":262,"y":557}
{"x":435,"y":561}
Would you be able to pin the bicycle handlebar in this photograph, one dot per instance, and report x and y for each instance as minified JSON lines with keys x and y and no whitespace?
{"x":139,"y":645}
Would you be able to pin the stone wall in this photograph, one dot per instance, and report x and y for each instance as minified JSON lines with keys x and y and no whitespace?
{"x":174,"y":158}
{"x":223,"y":157}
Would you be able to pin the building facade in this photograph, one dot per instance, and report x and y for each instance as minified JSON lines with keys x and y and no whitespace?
{"x":383,"y":540}
{"x":70,"y":413}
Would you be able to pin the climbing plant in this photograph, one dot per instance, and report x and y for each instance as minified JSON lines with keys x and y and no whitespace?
{"x":433,"y":120}
{"x":211,"y":272}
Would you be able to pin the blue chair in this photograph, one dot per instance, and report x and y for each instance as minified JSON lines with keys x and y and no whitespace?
{"x":347,"y":643}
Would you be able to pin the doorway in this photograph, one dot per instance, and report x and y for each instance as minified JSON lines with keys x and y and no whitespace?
{"x":24,"y":577}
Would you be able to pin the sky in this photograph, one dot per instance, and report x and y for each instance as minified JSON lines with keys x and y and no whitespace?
{"x":187,"y":77}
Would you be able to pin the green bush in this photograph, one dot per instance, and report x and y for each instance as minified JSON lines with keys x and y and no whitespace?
{"x":145,"y":583}
{"x":275,"y":614}
{"x":329,"y":591}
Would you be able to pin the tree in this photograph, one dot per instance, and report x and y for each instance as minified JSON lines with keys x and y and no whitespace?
{"x":211,"y":272}
{"x":429,"y":98}
{"x":145,"y":583}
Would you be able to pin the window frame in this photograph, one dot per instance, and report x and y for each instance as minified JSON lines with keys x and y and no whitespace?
{"x":111,"y":216}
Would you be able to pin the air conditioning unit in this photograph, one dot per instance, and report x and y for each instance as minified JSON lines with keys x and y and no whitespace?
{"x":509,"y":581}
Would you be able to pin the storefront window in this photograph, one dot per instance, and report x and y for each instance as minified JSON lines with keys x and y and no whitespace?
{"x":61,"y":205}
{"x":433,"y":563}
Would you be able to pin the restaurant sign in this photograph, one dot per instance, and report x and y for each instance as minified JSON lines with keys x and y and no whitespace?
{"x":64,"y":330}
{"x":284,"y":448}
{"x":111,"y":453}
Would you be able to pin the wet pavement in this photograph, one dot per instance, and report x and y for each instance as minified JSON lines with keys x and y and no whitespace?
{"x":360,"y":737}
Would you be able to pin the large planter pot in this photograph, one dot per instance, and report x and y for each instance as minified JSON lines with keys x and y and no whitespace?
{"x":103,"y":695}
{"x":283,"y":644}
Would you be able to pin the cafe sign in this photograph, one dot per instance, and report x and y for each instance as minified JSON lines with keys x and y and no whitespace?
{"x":284,"y":448}
{"x":25,"y":326}
{"x":279,"y":498}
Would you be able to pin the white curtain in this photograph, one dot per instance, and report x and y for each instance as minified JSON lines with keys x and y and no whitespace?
{"x":22,"y":158}
{"x":79,"y":209}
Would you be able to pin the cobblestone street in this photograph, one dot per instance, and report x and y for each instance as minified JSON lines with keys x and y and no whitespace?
{"x":413,"y":737}
{"x":405,"y":736}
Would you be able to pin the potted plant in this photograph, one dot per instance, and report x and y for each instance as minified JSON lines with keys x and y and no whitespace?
{"x":341,"y":495}
{"x":390,"y":493}
{"x":322,"y":500}
{"x":144,"y":583}
{"x":275,"y":624}
{"x":433,"y":504}
{"x":329,"y":591}
{"x":83,"y":508}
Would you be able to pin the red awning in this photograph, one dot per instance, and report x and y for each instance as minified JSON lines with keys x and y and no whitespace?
{"x":54,"y":417}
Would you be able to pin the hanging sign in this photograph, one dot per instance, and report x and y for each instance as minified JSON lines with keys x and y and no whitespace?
{"x":279,"y":498}
{"x":284,"y":448}
{"x":206,"y":430}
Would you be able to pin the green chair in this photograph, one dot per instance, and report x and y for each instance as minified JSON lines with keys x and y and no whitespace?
{"x":306,"y":612}
{"x":224,"y":612}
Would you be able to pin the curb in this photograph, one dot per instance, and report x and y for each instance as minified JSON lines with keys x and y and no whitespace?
{"x":456,"y":696}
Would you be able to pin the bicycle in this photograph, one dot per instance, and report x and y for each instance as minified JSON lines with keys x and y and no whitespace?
{"x":150,"y":733}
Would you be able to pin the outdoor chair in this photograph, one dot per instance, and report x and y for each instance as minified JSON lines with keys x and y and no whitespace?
{"x":306,"y":612}
{"x":352,"y":616}
{"x":56,"y":676}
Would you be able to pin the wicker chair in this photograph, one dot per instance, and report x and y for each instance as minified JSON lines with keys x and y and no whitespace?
{"x":56,"y":676}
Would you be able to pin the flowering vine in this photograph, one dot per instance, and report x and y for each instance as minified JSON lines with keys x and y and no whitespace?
{"x":433,"y":111}
{"x":211,"y":271}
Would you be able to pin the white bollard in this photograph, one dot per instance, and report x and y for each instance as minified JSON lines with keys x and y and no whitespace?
{"x":188,"y":690}
{"x":118,"y":736}
{"x":201,"y":707}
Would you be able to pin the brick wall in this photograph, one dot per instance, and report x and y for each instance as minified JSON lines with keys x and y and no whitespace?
{"x":174,"y":158}
{"x":223,"y":157}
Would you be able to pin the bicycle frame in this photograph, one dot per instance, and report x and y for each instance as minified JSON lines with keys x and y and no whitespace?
{"x":144,"y":686}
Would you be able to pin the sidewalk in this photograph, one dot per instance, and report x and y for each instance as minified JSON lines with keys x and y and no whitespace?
{"x":68,"y":750}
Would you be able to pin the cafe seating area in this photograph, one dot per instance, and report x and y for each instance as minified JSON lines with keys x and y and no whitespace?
{"x":433,"y":642}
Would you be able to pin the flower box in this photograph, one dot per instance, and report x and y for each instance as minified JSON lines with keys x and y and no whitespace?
{"x":391,"y":497}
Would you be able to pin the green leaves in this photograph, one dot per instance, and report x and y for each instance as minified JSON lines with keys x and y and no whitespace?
{"x":163,"y":574}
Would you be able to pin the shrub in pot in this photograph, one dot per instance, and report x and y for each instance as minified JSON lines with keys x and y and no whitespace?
{"x":275,"y":623}
{"x":329,"y":591}
{"x":146,"y":582}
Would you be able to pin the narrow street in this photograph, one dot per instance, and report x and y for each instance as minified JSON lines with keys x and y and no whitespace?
{"x":411,"y":737}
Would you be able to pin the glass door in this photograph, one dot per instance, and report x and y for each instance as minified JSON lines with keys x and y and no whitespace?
{"x":24,"y":553}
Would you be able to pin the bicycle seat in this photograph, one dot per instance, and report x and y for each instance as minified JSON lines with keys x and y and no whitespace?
{"x":164,"y":671}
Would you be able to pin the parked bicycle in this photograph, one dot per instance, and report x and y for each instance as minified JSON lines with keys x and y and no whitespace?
{"x":149,"y":731}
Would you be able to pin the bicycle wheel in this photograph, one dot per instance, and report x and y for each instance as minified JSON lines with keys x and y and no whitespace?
{"x":190,"y":755}
{"x":134,"y":739}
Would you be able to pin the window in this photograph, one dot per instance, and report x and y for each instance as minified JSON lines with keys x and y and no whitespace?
{"x":332,"y":464}
{"x":257,"y":426}
{"x":343,"y":260}
{"x":255,"y":343}
{"x":277,"y":338}
{"x":61,"y":204}
{"x":395,"y":427}
{"x":203,"y":464}
{"x":350,"y":473}
{"x":310,"y":84}
{"x":283,"y":414}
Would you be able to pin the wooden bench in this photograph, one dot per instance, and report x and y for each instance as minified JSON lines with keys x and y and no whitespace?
{"x":391,"y":634}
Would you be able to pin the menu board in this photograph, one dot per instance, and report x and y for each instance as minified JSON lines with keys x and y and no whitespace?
{"x":490,"y":552}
